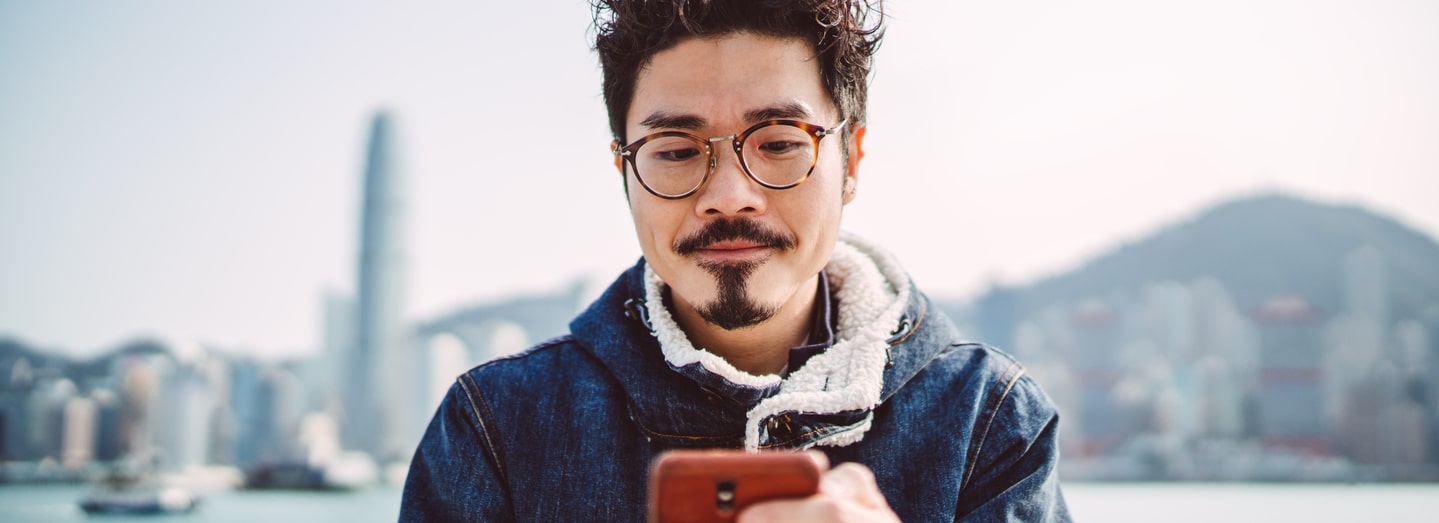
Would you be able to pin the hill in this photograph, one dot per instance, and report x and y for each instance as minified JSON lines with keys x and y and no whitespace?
{"x":1258,"y":247}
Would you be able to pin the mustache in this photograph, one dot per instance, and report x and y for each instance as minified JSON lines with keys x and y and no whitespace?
{"x":731,"y":229}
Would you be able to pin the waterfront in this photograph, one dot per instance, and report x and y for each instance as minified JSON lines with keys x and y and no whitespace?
{"x":1093,"y":502}
{"x":56,"y":504}
{"x":1256,"y":502}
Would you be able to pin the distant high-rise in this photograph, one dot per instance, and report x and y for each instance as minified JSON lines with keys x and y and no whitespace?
{"x":379,"y":329}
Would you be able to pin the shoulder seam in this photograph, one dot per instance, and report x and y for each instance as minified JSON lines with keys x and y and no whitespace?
{"x":1008,"y":379}
{"x":492,"y":444}
{"x":541,"y":346}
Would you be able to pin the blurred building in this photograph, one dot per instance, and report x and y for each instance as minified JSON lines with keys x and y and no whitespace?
{"x":1095,"y":334}
{"x":451,"y":344}
{"x":1381,"y":405}
{"x":78,"y":437}
{"x":17,"y":379}
{"x":1291,"y":388}
{"x":376,"y":384}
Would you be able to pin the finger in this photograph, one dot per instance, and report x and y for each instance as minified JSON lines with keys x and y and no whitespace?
{"x":813,"y":508}
{"x":853,"y":481}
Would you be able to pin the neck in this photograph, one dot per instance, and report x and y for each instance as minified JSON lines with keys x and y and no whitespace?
{"x":759,"y":349}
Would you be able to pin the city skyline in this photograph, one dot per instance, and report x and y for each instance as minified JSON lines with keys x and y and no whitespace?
{"x":1162,"y":376}
{"x":189,"y":172}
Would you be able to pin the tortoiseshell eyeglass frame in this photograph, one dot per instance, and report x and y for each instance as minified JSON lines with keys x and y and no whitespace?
{"x":815,"y":133}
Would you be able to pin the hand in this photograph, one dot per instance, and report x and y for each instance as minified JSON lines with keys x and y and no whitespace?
{"x":847,"y":493}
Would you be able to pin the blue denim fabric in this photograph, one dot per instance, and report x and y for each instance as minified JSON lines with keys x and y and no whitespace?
{"x":566,"y":430}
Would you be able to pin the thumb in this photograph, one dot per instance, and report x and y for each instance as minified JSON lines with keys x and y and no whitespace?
{"x":853,"y":481}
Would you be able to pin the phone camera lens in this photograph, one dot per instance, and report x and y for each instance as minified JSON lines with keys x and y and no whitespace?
{"x":724,"y":495}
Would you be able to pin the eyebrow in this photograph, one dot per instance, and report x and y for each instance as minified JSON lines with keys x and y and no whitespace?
{"x":785,"y":111}
{"x":691,"y":122}
{"x":664,"y":120}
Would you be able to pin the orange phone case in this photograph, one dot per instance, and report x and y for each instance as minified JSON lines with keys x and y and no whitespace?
{"x":714,"y":485}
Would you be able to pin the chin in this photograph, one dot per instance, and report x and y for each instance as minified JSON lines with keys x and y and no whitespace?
{"x":736,"y":295}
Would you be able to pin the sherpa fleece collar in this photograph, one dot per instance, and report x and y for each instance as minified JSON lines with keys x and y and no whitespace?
{"x":673,"y":409}
{"x":871,"y":290}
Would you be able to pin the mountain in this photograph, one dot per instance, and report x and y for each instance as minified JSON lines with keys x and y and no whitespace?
{"x":1258,"y":247}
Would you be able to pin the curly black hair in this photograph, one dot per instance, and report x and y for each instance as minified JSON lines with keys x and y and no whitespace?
{"x":846,"y":33}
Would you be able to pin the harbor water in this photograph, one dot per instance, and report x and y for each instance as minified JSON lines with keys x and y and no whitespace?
{"x":1094,"y":502}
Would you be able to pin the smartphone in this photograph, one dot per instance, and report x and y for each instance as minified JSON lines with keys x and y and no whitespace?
{"x":715,"y":485}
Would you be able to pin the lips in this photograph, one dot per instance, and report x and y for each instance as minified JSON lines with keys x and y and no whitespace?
{"x":733,"y":245}
{"x":733,"y":251}
{"x":739,"y":238}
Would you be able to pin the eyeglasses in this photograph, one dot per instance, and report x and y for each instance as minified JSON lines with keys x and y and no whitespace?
{"x":778,"y":154}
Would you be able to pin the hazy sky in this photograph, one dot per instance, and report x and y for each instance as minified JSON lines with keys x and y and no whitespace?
{"x":192,"y":171}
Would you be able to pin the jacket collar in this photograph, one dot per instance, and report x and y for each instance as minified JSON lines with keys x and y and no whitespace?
{"x":678,"y":410}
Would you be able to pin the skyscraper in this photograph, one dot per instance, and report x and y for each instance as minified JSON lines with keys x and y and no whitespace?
{"x":370,"y":371}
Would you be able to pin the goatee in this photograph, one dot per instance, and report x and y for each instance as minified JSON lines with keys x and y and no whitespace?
{"x":734,"y":308}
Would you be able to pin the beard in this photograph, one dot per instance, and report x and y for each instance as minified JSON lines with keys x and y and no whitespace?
{"x":734,"y":308}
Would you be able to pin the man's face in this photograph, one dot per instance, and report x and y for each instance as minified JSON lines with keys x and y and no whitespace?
{"x":735,"y":252}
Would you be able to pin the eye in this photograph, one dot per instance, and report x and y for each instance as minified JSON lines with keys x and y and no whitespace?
{"x":781,"y":147}
{"x":677,"y":155}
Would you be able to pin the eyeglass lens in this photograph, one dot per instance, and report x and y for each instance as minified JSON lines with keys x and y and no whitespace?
{"x":776,"y":155}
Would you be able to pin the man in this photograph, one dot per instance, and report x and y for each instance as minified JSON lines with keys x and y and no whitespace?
{"x":751,"y":321}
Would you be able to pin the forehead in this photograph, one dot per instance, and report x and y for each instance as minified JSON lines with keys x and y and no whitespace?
{"x":721,"y":79}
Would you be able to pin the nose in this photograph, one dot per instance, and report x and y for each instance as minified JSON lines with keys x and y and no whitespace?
{"x":729,"y":191}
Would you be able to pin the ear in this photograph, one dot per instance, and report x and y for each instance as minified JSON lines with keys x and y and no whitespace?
{"x":620,"y":166}
{"x":856,"y":153}
{"x":619,"y":160}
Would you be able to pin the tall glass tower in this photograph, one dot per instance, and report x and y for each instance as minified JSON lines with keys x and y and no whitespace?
{"x":370,"y":371}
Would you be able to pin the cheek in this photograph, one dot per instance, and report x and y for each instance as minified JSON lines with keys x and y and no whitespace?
{"x":831,"y":185}
{"x":655,"y":224}
{"x":822,"y":208}
{"x":814,"y":216}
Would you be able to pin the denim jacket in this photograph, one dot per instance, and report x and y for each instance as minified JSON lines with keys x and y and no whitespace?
{"x":566,"y":431}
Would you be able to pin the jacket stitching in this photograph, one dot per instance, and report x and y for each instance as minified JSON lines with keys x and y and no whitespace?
{"x":634,"y":409}
{"x":994,"y":412}
{"x":658,"y":434}
{"x":806,"y":435}
{"x":491,"y":444}
{"x":544,"y":345}
{"x":681,"y":436}
{"x":800,"y":437}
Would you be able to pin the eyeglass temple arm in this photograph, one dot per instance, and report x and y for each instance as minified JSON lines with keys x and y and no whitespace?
{"x":835,"y":129}
{"x":617,"y":149}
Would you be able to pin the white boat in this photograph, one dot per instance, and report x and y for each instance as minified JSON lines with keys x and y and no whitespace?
{"x":132,"y":494}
